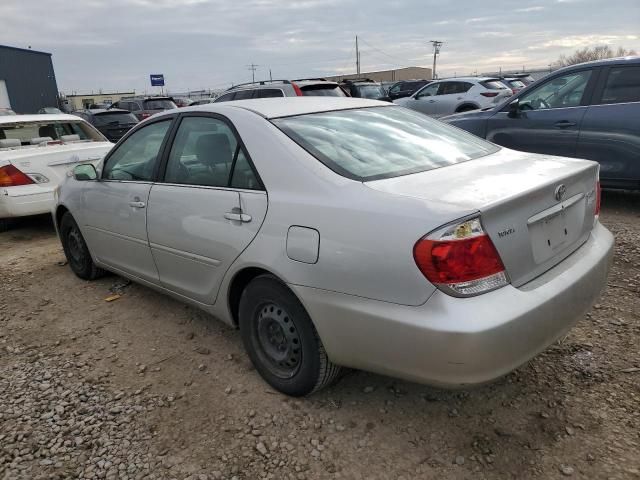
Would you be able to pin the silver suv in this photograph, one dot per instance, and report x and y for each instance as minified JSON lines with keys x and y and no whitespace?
{"x":318,"y":87}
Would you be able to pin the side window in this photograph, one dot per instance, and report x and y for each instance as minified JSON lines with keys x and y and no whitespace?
{"x":202,"y":153}
{"x":269,"y":93}
{"x":429,"y":90}
{"x":560,"y":92}
{"x":135,"y":159}
{"x":447,"y":88}
{"x":226,"y":97}
{"x":395,"y":88}
{"x":243,"y":175}
{"x":623,"y":85}
{"x":464,"y":87}
{"x":243,"y":95}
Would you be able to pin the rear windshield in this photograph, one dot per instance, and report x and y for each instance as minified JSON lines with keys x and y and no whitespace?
{"x":322,"y":90}
{"x":381,"y":142}
{"x":116,"y":118}
{"x":369,"y":91}
{"x":32,"y":133}
{"x":493,"y":85}
{"x":517,"y":83}
{"x":159,"y":104}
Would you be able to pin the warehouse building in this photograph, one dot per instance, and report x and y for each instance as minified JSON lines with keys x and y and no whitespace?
{"x":27,"y":80}
{"x":78,"y":101}
{"x":408,"y":73}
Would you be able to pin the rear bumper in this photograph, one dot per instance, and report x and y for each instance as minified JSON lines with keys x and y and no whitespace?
{"x":25,"y":200}
{"x":459,"y":341}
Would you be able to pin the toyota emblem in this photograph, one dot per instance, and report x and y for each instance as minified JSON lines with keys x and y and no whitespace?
{"x":561,"y":190}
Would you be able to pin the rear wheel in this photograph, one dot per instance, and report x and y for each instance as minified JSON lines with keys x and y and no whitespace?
{"x":76,"y":250}
{"x":281,"y":340}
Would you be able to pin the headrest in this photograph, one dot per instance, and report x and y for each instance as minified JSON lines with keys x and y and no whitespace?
{"x":10,"y":143}
{"x":39,"y":140}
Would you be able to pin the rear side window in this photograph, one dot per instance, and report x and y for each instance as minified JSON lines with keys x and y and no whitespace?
{"x":381,"y":142}
{"x":451,"y":88}
{"x":493,"y":85}
{"x":243,"y":95}
{"x":623,"y":85}
{"x":227,"y":97}
{"x":269,"y":93}
{"x":322,"y":90}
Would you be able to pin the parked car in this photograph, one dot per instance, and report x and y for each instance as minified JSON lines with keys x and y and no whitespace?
{"x":444,"y":97}
{"x":315,"y":87}
{"x":203,"y":101}
{"x":144,"y":107}
{"x":6,"y":111}
{"x":515,"y":84}
{"x":182,"y":102}
{"x":405,"y":88}
{"x":525,"y":78}
{"x":346,"y":232}
{"x":36,"y":152}
{"x":364,"y":88}
{"x":591,"y":111}
{"x":112,"y":123}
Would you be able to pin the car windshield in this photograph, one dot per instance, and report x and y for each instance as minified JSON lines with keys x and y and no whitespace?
{"x":323,"y":90}
{"x":31,"y":133}
{"x":381,"y":142}
{"x":493,"y":85}
{"x":516,"y":83}
{"x":117,"y":118}
{"x":159,"y":104}
{"x":370,"y":91}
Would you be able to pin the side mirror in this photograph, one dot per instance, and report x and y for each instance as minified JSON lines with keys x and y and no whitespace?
{"x":514,"y":109}
{"x":85,"y":172}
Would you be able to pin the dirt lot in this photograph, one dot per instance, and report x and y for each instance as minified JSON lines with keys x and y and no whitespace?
{"x":144,"y":387}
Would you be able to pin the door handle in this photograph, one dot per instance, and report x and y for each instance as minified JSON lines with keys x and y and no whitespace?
{"x":238,"y":217}
{"x":564,"y":124}
{"x":137,"y":204}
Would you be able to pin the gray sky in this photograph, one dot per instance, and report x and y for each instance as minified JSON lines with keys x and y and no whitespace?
{"x":116,"y":44}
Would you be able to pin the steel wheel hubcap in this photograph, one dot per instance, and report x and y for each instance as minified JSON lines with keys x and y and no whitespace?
{"x":279,"y":340}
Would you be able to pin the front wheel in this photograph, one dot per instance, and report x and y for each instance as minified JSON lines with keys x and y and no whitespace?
{"x":281,"y":340}
{"x":76,"y":250}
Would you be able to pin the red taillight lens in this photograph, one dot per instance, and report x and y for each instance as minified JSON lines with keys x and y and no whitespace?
{"x":489,"y":94}
{"x":145,"y":115}
{"x":296,"y":88}
{"x":10,"y":176}
{"x":461,"y":260}
{"x":598,"y":197}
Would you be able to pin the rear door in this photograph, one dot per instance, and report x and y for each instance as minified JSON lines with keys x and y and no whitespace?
{"x":206,"y":210}
{"x":450,"y":95}
{"x":610,"y":132}
{"x":550,"y":115}
{"x":114,"y":215}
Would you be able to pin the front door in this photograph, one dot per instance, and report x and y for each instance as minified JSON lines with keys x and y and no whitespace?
{"x":114,"y":217}
{"x":207,"y":209}
{"x":425,"y":100}
{"x":549,"y":118}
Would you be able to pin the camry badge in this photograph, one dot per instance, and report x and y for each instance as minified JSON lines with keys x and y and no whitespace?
{"x":561,"y":190}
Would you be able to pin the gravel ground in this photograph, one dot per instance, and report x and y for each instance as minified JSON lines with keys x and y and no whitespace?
{"x":144,"y":387}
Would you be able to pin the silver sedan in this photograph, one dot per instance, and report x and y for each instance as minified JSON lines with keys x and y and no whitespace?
{"x":346,"y":233}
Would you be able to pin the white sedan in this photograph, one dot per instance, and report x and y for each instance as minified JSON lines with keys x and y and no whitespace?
{"x":344,"y":232}
{"x":36,"y":152}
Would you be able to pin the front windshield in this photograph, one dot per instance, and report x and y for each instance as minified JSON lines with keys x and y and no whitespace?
{"x":381,"y":142}
{"x":370,"y":91}
{"x":34,"y":133}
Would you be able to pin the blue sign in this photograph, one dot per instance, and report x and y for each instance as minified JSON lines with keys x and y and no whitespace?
{"x":157,"y":80}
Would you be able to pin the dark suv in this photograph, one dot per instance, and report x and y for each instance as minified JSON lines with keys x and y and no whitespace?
{"x":316,"y":87}
{"x":364,"y":88}
{"x":591,"y":111}
{"x":112,"y":123}
{"x":406,"y":88}
{"x":143,"y":107}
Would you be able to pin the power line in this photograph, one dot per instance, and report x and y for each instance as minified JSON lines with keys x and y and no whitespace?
{"x":404,"y":60}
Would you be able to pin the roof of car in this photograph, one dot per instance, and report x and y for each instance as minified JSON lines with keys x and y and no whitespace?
{"x":39,"y":117}
{"x":466,"y":79}
{"x":605,"y":61}
{"x":289,"y":106}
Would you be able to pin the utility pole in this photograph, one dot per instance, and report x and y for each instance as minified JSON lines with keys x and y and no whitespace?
{"x":270,"y":76}
{"x":357,"y":57}
{"x":436,"y":51}
{"x":253,"y":67}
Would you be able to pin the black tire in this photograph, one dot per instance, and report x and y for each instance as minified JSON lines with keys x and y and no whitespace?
{"x":466,"y":108}
{"x":76,"y":251}
{"x":293,"y":361}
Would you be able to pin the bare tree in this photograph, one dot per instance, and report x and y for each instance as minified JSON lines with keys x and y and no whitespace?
{"x":596,"y":53}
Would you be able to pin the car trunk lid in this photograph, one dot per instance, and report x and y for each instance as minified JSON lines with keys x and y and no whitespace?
{"x":536,"y":209}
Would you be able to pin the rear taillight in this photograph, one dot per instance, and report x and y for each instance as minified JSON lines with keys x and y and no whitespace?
{"x":145,"y":115}
{"x":460,"y":259}
{"x":10,"y":176}
{"x":598,"y":197}
{"x":489,"y":94}
{"x":296,"y":88}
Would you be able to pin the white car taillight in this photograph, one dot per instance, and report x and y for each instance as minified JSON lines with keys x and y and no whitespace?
{"x":461,"y":260}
